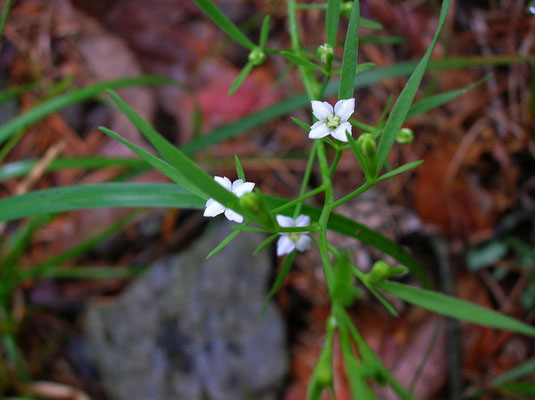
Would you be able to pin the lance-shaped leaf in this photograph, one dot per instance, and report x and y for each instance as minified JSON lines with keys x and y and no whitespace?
{"x":401,"y":108}
{"x":349,"y":62}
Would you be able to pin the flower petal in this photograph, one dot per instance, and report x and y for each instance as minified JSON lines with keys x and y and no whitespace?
{"x":321,"y":109}
{"x":284,"y":221}
{"x":302,"y":220}
{"x":344,"y":108}
{"x":284,"y":245}
{"x":340,"y":132}
{"x":213,"y":208}
{"x":318,"y":130}
{"x":233,"y":216}
{"x":239,"y":189}
{"x":223,"y":181}
{"x":303,"y":243}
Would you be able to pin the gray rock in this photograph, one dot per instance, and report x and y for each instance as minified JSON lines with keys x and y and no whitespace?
{"x":187,"y":329}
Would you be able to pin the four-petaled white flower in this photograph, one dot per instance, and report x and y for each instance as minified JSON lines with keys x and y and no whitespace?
{"x":293,"y":240}
{"x":332,"y":121}
{"x":239,"y":188}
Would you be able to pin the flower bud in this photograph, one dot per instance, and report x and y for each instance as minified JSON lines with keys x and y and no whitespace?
{"x":346,"y":8}
{"x":405,"y":136}
{"x":326,"y":54}
{"x":257,"y":56}
{"x":254,"y":203}
{"x":367,"y":144}
{"x":380,"y":272}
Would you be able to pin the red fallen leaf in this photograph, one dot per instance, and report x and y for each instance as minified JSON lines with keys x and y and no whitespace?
{"x":216,"y":107}
{"x":450,"y":204}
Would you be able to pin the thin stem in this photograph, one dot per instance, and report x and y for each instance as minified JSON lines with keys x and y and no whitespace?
{"x":306,"y":178}
{"x":335,"y":162}
{"x":298,"y":201}
{"x":311,"y":85}
{"x":352,"y":195}
{"x":324,"y":217}
{"x":362,"y":125}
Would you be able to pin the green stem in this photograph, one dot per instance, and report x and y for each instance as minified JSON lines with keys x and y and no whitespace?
{"x":298,"y":201}
{"x":311,"y":85}
{"x":324,"y":217}
{"x":335,"y":162}
{"x":306,"y":179}
{"x":352,"y":195}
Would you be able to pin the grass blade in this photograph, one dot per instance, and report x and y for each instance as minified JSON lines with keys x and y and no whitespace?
{"x":97,"y":196}
{"x":442,"y":98}
{"x":75,"y":96}
{"x":400,"y":170}
{"x":198,"y":181}
{"x":455,"y":308}
{"x":240,"y":78}
{"x":226,"y":25}
{"x":401,"y":108}
{"x":331,"y":22}
{"x":21,"y":168}
{"x":299,"y":60}
{"x":264,"y":32}
{"x":96,"y":272}
{"x":158,"y":164}
{"x":349,"y":62}
{"x":5,"y":13}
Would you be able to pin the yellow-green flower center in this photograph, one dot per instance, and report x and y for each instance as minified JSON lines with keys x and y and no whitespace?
{"x":332,"y":122}
{"x":294,"y":236}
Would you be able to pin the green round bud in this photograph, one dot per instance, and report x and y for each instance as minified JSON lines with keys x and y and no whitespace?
{"x":257,"y":56}
{"x":405,"y":136}
{"x":367,"y":144}
{"x":380,"y":271}
{"x":326,"y":53}
{"x":254,"y":204}
{"x":346,"y":7}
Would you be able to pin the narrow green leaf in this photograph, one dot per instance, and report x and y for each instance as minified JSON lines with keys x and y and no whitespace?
{"x":455,"y":308}
{"x":97,"y":196}
{"x":265,"y":243}
{"x":285,"y":268}
{"x":299,"y":60}
{"x":225,"y":24}
{"x":354,"y":369}
{"x":400,"y":170}
{"x":264,"y":32}
{"x":349,"y":62}
{"x":240,"y":78}
{"x":5,"y":13}
{"x":518,"y":372}
{"x":520,"y":387}
{"x":401,"y":108}
{"x":239,"y":168}
{"x":331,"y":21}
{"x":304,"y":125}
{"x":16,"y":91}
{"x":96,"y":272}
{"x":223,"y":243}
{"x":21,"y":168}
{"x":196,"y":177}
{"x":442,"y":98}
{"x":75,"y":96}
{"x":371,"y":360}
{"x":158,"y":164}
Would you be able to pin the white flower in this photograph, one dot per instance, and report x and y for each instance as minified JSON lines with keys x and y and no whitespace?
{"x":239,"y":188}
{"x":293,"y":240}
{"x":333,"y":121}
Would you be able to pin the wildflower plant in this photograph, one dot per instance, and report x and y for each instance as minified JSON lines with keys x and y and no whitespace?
{"x":293,"y":224}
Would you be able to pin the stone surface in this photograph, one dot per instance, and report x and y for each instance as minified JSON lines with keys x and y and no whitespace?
{"x":187,"y":329}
